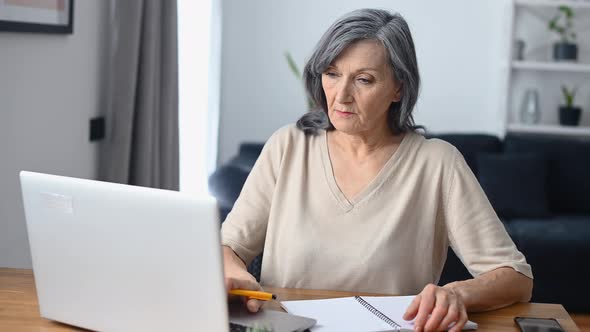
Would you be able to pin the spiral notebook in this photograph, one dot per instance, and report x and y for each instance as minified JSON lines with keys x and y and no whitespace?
{"x":359,"y":313}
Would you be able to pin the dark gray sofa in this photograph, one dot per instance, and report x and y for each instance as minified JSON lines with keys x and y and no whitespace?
{"x":538,"y":184}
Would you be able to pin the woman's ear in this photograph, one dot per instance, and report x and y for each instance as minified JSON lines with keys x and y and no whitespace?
{"x":397,"y":96}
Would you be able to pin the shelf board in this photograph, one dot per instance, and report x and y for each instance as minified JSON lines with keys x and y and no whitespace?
{"x":552,"y":66}
{"x":554,"y":3}
{"x":549,"y":129}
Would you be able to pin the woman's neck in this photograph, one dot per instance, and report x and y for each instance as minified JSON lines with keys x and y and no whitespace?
{"x":363,"y":145}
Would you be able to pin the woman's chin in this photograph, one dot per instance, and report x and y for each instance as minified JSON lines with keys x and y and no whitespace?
{"x":345,"y":127}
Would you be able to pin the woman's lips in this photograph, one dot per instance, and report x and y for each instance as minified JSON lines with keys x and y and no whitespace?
{"x":343,"y":114}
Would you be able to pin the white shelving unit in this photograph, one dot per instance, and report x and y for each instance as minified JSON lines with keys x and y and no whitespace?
{"x":549,"y":129}
{"x":551,"y":66}
{"x":554,"y":3}
{"x":528,"y":21}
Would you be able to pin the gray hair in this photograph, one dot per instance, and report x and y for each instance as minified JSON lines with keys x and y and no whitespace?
{"x":394,"y":34}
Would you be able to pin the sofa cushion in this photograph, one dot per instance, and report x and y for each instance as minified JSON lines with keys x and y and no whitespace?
{"x":515,"y":183}
{"x":569,"y":232}
{"x":470,"y":145}
{"x":568,"y":181}
{"x":558,"y":251}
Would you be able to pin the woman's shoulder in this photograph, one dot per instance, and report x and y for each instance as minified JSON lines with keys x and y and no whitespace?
{"x":287,"y":135}
{"x":287,"y":140}
{"x":434,"y":149}
{"x":287,"y":131}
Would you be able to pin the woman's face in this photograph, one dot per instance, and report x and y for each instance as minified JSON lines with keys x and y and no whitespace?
{"x":359,"y":88}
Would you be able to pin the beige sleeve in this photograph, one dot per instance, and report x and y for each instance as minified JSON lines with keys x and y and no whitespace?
{"x":244,"y":229}
{"x":475,"y":232}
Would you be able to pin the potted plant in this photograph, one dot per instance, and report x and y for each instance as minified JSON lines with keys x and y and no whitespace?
{"x":562,"y":24}
{"x":569,"y":115}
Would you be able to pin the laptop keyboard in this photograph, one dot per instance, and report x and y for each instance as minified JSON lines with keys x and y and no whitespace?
{"x":233,"y":327}
{"x":237,"y":328}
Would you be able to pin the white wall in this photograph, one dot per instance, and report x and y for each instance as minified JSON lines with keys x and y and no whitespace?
{"x":49,"y":89}
{"x":460,"y":48}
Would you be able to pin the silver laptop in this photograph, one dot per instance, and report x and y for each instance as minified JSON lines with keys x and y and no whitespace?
{"x":114,"y":257}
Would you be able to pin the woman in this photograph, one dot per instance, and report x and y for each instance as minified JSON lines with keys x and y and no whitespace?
{"x":353,"y":199}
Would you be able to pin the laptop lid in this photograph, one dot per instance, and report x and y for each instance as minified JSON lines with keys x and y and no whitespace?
{"x":124,"y":258}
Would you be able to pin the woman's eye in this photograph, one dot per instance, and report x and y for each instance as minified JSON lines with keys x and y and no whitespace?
{"x":330,"y":74}
{"x":364,"y":80}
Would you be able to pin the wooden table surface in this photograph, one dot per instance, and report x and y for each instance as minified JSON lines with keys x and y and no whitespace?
{"x":19,"y":309}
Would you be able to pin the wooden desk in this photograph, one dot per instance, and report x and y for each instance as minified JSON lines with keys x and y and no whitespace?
{"x":19,"y":309}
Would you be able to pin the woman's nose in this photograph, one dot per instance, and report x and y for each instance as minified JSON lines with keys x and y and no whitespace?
{"x":343,"y":94}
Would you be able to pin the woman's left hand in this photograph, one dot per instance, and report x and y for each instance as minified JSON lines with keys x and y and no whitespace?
{"x":435,"y":308}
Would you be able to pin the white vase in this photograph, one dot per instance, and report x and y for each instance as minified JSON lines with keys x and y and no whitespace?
{"x":530,"y":112}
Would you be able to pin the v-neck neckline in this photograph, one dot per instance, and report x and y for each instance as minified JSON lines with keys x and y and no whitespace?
{"x":348,"y":204}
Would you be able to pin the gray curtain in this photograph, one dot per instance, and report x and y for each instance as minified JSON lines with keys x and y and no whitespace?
{"x":141,"y":147}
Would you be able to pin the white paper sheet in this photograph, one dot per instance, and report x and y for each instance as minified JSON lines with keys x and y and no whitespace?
{"x":338,"y":315}
{"x":348,"y":314}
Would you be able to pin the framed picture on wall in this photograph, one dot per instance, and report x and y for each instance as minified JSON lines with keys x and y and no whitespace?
{"x":45,"y":16}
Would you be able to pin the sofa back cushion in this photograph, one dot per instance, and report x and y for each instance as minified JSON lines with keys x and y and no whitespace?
{"x":568,"y":162}
{"x":247,"y":156}
{"x":226,"y":184}
{"x":516,"y":184}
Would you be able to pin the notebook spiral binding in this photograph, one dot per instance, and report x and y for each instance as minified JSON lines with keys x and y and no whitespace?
{"x":378,"y":313}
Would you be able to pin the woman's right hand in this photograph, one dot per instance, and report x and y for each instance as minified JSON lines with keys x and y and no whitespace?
{"x":237,"y":276}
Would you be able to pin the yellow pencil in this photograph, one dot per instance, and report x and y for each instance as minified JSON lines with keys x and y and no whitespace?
{"x":264,"y":296}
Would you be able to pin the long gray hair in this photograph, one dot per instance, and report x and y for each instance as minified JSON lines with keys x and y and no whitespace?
{"x":394,"y":34}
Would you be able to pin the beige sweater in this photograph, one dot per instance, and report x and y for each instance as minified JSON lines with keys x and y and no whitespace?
{"x":392,"y":238}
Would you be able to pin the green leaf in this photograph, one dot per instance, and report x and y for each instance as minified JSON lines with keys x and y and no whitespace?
{"x":568,"y":95}
{"x":562,"y":23}
{"x":567,"y":11}
{"x":295,"y":70}
{"x":560,"y":30}
{"x":293,"y":65}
